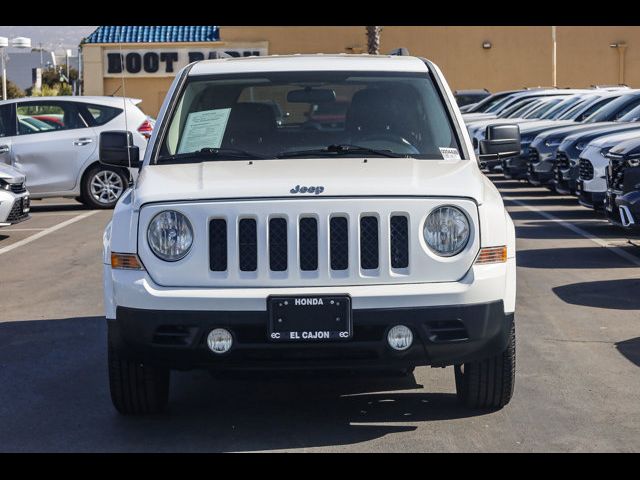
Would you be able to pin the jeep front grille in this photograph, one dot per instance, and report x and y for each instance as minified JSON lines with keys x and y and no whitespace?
{"x":307,"y":231}
{"x":586,"y":169}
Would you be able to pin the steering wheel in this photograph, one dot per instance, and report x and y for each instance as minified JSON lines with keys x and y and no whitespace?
{"x":384,"y":139}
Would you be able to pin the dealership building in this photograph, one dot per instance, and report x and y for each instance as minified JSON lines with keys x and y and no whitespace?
{"x":496,"y":58}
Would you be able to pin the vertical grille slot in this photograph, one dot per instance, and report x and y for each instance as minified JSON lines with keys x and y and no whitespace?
{"x":399,"y":233}
{"x":308,"y":244}
{"x":369,"y":243}
{"x":278,"y":244}
{"x":339,"y":243}
{"x":248,"y":245}
{"x":218,"y":245}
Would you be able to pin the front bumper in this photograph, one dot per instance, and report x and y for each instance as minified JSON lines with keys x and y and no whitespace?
{"x":541,"y":173}
{"x":515,"y":168}
{"x":14,"y":208}
{"x":566,"y":180}
{"x":589,"y":199}
{"x":617,"y":204}
{"x":444,"y":335}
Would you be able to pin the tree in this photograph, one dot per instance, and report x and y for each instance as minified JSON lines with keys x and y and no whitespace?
{"x":13,"y":91}
{"x":373,"y":40}
{"x":51,"y":75}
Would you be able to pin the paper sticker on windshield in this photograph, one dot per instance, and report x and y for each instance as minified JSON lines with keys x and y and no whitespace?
{"x":204,"y":130}
{"x":449,"y":153}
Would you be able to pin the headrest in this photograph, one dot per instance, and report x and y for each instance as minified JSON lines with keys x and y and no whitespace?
{"x":251,"y":117}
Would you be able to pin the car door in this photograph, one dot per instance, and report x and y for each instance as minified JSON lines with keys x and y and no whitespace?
{"x":52,"y":143}
{"x":6,"y":132}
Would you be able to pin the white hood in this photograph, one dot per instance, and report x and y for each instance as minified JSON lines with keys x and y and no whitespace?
{"x":10,"y":174}
{"x":338,"y":177}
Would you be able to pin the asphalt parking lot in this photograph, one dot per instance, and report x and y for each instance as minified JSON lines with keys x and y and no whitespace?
{"x":578,"y":357}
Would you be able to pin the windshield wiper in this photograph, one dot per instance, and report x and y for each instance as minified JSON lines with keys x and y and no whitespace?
{"x":212,"y":154}
{"x":343,"y":149}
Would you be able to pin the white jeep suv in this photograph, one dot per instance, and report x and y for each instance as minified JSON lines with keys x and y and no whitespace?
{"x":257,"y":238}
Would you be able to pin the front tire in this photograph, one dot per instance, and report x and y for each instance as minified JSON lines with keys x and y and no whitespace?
{"x":488,"y":383}
{"x":136,"y":388}
{"x":102,"y":186}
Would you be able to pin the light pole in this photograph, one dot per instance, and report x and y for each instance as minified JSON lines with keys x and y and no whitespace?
{"x":18,"y":42}
{"x":4,"y":43}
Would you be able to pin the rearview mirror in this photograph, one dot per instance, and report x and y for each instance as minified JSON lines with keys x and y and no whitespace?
{"x":501,"y":141}
{"x":117,"y":149}
{"x":311,"y":95}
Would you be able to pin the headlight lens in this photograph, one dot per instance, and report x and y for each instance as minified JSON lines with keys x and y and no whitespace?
{"x":446,"y":231}
{"x":552,"y":142}
{"x":580,"y":146}
{"x":4,"y":184}
{"x":170,"y":235}
{"x":604,"y":151}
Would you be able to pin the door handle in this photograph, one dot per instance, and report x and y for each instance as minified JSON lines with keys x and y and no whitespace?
{"x":82,"y":141}
{"x":4,"y":149}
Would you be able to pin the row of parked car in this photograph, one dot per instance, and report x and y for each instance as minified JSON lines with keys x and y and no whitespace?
{"x":583,"y":142}
{"x":49,"y":148}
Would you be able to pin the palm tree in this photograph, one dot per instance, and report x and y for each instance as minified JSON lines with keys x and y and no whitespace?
{"x":373,"y":40}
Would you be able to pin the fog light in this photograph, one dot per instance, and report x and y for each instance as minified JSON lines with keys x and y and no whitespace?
{"x":400,"y":337}
{"x":219,"y":340}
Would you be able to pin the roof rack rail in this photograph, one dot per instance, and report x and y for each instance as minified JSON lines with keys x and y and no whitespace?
{"x":619,"y":85}
{"x":539,"y":87}
{"x":400,"y":51}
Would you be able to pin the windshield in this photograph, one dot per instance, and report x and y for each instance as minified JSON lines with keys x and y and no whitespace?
{"x":562,"y":107}
{"x":515,"y":110}
{"x":615,"y":110}
{"x":540,"y":110}
{"x":270,"y":115}
{"x":632,"y":116}
{"x":484,"y":105}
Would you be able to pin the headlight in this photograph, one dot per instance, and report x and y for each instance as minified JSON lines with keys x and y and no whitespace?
{"x":446,"y":231}
{"x":580,"y":146}
{"x":552,"y":142}
{"x":604,"y":151}
{"x":633,"y":162}
{"x":170,"y":235}
{"x":4,"y":185}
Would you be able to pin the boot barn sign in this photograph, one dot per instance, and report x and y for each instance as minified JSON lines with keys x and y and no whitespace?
{"x":167,"y":62}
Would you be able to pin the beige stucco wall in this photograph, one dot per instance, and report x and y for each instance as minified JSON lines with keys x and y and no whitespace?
{"x":519,"y":57}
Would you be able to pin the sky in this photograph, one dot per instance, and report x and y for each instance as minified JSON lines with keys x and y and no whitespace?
{"x":51,"y":37}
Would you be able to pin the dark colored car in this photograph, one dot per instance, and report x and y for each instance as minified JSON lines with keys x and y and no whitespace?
{"x":571,"y":112}
{"x":542,"y":151}
{"x":492,"y":100}
{"x":566,"y":168}
{"x":468,"y":97}
{"x":622,"y":201}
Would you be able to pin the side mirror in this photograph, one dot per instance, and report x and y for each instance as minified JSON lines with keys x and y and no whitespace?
{"x":501,"y":141}
{"x":117,"y":149}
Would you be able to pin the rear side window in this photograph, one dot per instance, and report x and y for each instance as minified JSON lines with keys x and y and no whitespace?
{"x":98,"y":115}
{"x":43,"y":117}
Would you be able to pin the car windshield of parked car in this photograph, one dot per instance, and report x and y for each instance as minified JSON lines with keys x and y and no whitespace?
{"x":631,"y":116}
{"x":484,"y":105}
{"x":542,"y":108}
{"x":563,"y":107}
{"x":583,"y":110}
{"x":271,"y":115}
{"x":516,"y":110}
{"x":615,"y":110}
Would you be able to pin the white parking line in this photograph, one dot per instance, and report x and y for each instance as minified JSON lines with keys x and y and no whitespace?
{"x":597,"y":240}
{"x":9,"y":230}
{"x":47,"y":231}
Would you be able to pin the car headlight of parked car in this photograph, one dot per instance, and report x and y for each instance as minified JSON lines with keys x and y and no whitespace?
{"x":604,"y":151}
{"x":446,"y":231}
{"x":170,"y":235}
{"x":580,"y":145}
{"x":4,"y":185}
{"x":552,"y":142}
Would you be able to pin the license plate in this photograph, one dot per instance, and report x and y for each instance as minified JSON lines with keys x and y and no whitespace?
{"x":310,"y":318}
{"x":26,"y":205}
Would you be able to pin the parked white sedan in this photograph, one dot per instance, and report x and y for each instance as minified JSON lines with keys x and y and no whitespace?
{"x":14,"y":197}
{"x":54,"y":142}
